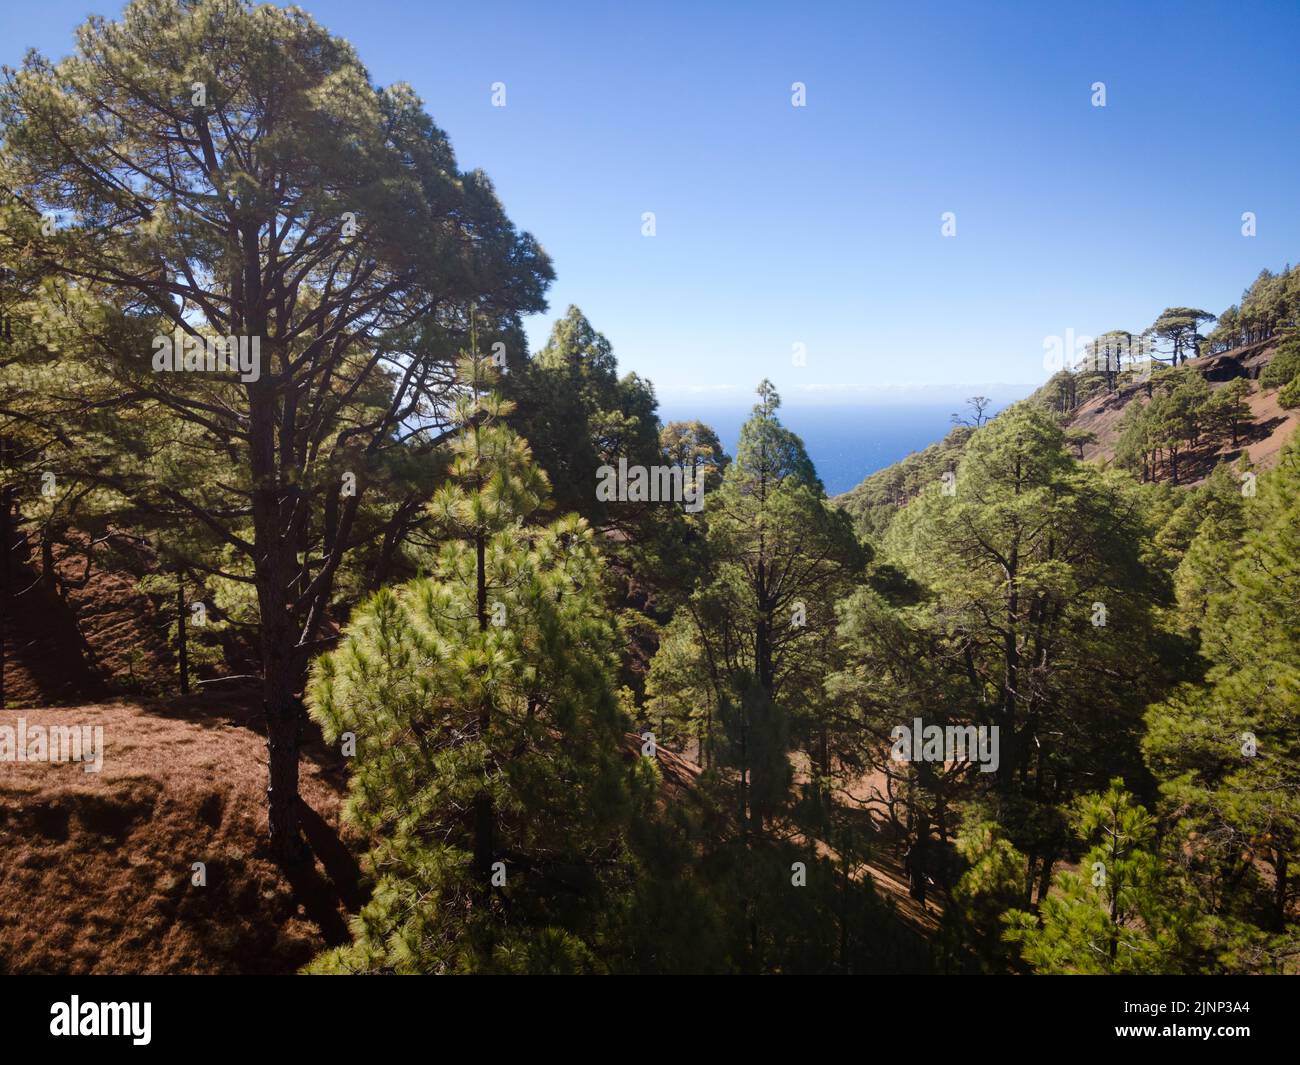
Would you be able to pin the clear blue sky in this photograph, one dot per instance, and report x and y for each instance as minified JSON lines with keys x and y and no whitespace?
{"x":821,"y":225}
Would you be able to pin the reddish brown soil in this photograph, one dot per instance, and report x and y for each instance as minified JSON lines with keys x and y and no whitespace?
{"x":96,"y":868}
{"x":885,"y":870}
{"x":1272,"y":429}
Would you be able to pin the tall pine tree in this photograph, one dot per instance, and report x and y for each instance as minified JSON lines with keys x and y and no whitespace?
{"x":488,"y":770}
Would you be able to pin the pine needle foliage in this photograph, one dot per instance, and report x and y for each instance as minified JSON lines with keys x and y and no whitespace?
{"x":487,"y":769}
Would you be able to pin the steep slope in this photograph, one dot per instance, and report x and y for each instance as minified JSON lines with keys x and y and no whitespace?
{"x":88,"y":633}
{"x":1263,"y":442}
{"x":96,"y":869}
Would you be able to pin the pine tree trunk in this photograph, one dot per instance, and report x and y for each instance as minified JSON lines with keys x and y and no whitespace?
{"x":824,"y":767}
{"x":1045,"y":876}
{"x":282,"y":724}
{"x":845,"y":847}
{"x":1280,"y":872}
{"x":6,"y":550}
{"x":483,"y":813}
{"x":1114,"y":920}
{"x":1011,"y":678}
{"x":274,"y":570}
{"x":47,"y":562}
{"x":182,"y":650}
{"x":283,"y":733}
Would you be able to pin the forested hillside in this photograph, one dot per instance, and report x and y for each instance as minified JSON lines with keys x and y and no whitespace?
{"x":583,"y":692}
{"x":1224,"y":397}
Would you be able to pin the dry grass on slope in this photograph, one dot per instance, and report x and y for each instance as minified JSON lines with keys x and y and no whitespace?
{"x":96,"y":868}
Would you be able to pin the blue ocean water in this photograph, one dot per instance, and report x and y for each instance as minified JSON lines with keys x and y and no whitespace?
{"x":845,"y":442}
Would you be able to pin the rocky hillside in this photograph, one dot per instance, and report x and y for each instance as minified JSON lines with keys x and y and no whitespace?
{"x":1273,"y":425}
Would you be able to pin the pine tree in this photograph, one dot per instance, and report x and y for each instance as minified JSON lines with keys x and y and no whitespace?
{"x":1227,"y":751}
{"x":993,"y":884}
{"x":1034,"y":566}
{"x":488,"y":769}
{"x":743,"y":662}
{"x":895,"y":665}
{"x":763,"y":616}
{"x":257,"y":187}
{"x":693,"y":445}
{"x":1115,"y":915}
{"x":1228,"y":410}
